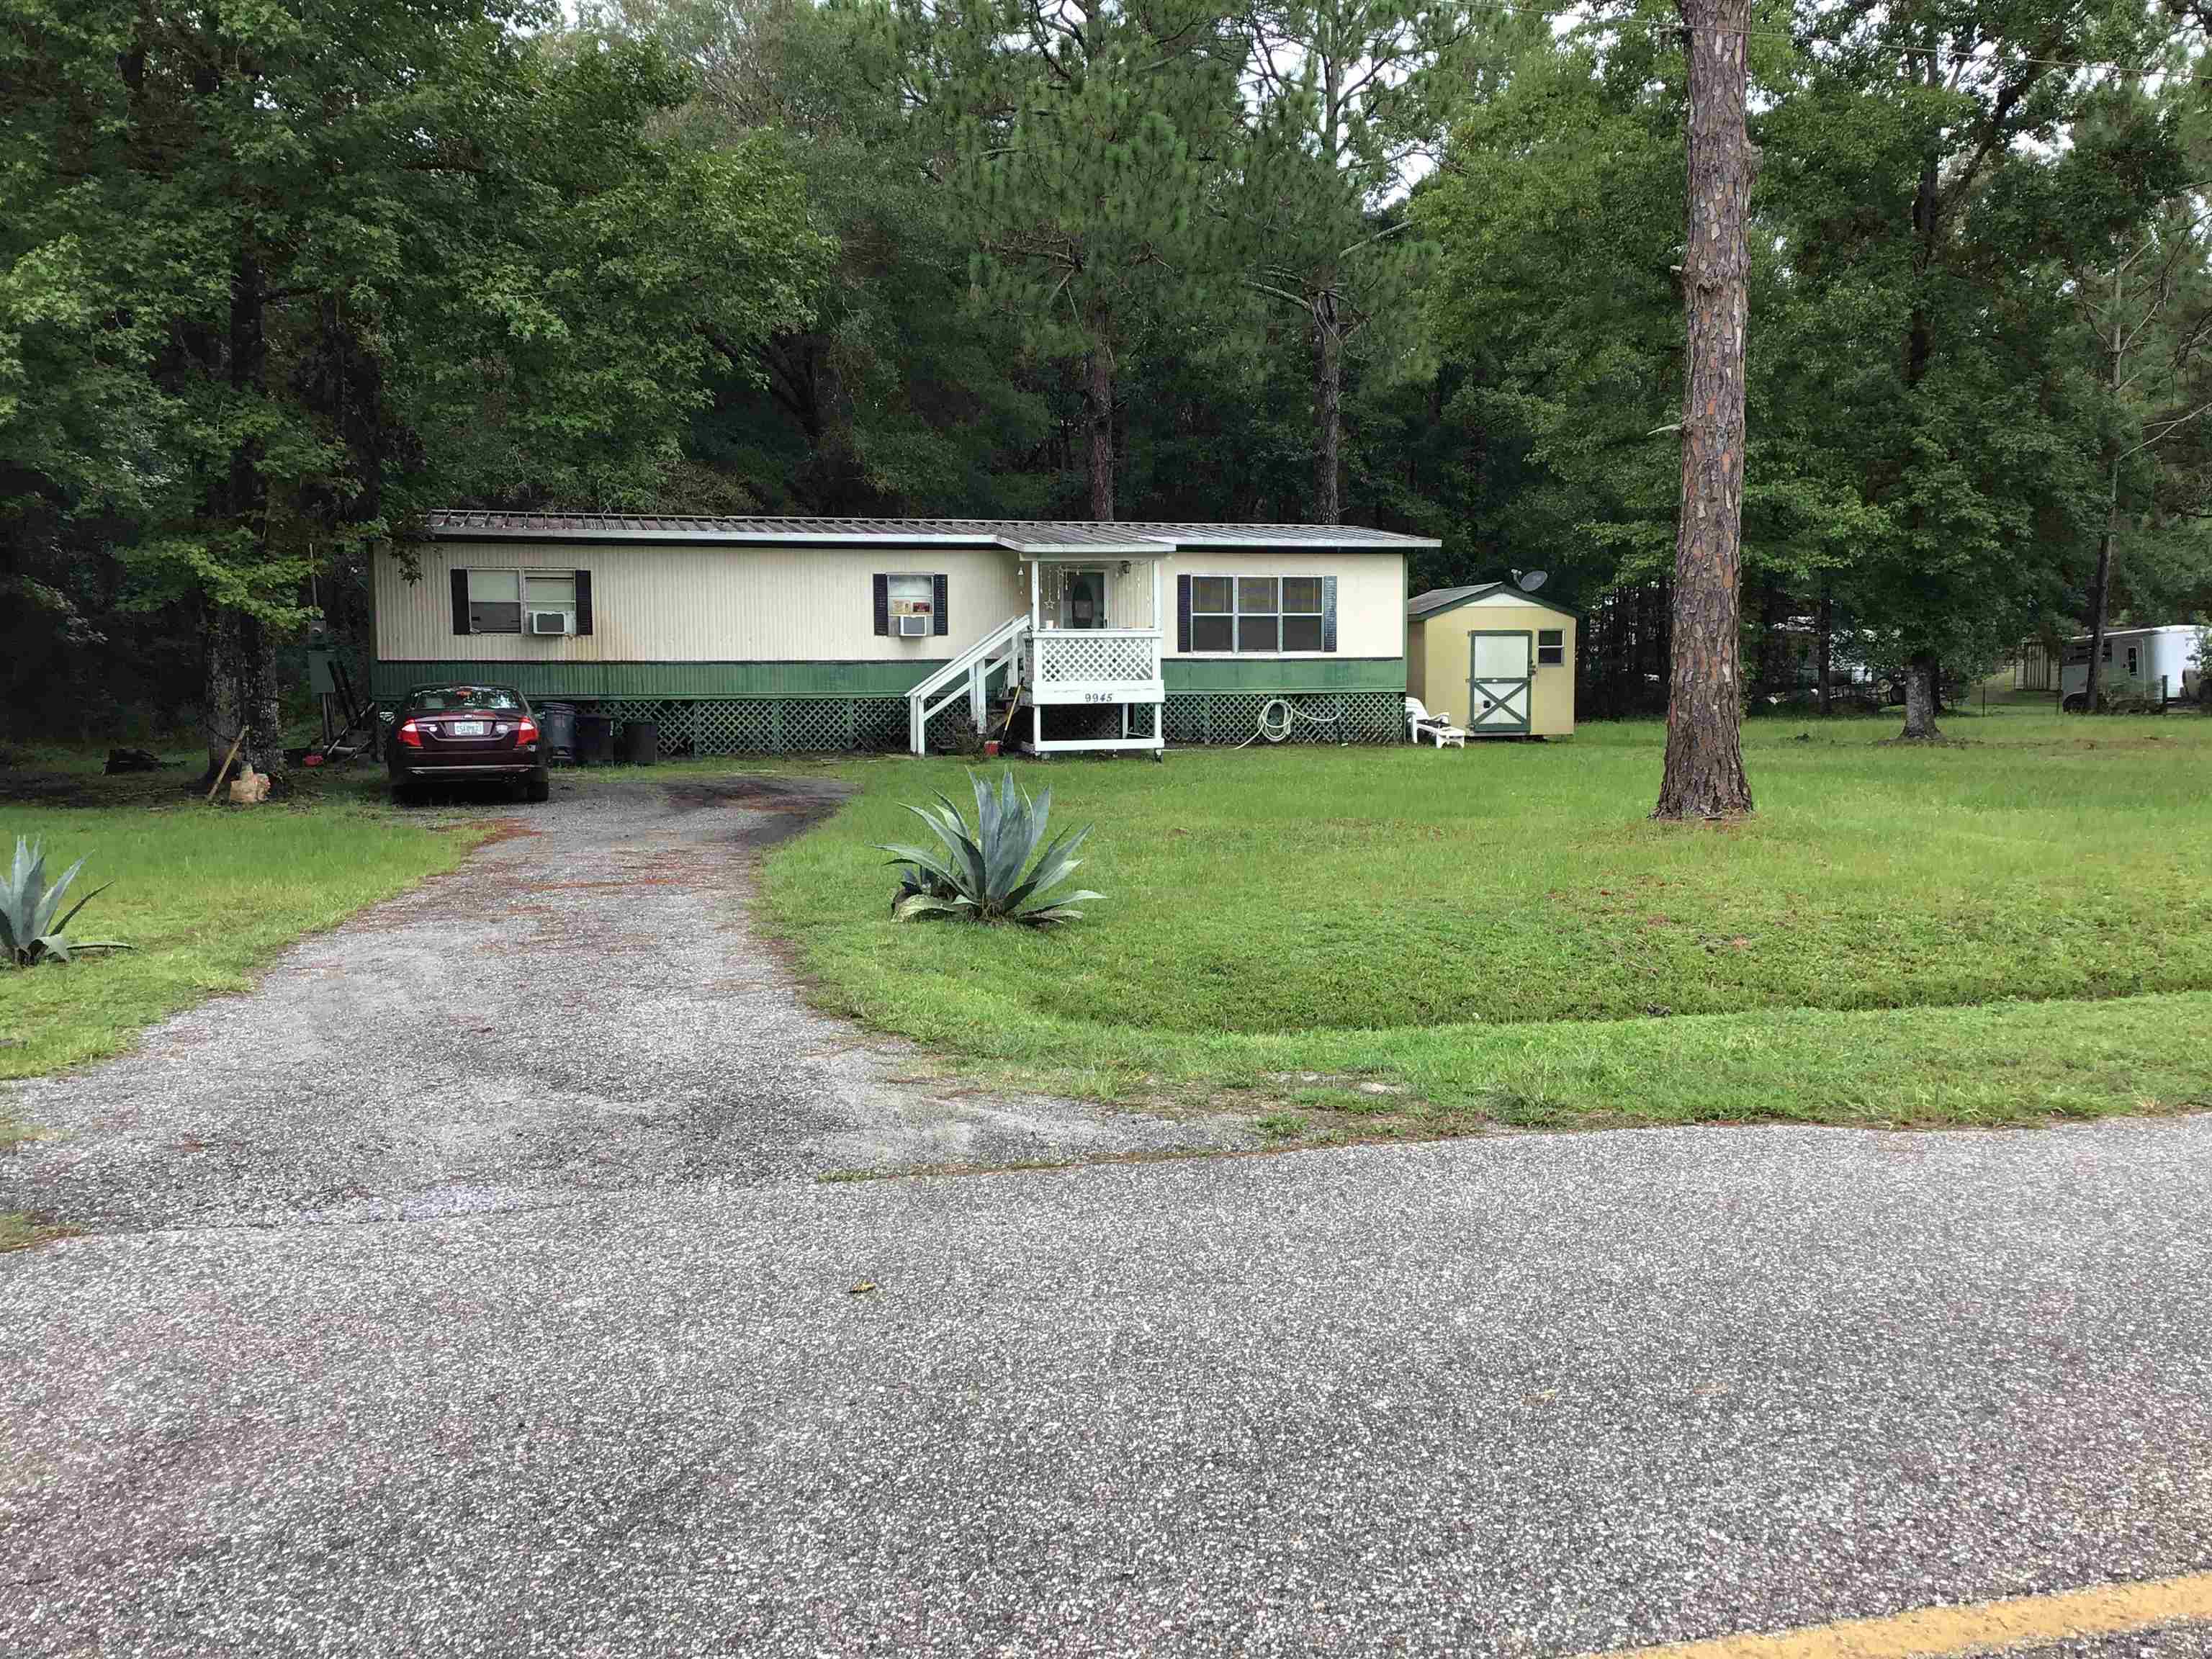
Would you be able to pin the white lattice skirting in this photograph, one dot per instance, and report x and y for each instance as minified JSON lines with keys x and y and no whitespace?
{"x":786,"y":725}
{"x":780,"y":725}
{"x":1330,"y":716}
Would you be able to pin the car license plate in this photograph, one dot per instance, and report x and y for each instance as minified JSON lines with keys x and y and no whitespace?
{"x":465,"y":729}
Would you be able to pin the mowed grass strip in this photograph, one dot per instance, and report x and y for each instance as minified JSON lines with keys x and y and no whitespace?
{"x":2010,"y":926}
{"x":207,"y":895}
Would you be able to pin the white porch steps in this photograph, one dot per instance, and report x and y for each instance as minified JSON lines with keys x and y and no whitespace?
{"x":969,"y":673}
{"x":1048,"y":667}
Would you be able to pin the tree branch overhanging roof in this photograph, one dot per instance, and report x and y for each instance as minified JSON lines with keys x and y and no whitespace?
{"x":1120,"y":538}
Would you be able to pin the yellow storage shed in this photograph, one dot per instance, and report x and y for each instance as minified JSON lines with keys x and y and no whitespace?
{"x":1498,"y":661}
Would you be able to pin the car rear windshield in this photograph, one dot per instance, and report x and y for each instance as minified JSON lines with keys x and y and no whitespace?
{"x":466,"y":696}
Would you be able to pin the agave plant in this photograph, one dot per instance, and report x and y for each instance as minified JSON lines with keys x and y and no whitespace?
{"x":29,"y":933}
{"x":979,"y":873}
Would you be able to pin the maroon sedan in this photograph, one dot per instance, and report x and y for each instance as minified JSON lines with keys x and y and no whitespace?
{"x":463,"y":733}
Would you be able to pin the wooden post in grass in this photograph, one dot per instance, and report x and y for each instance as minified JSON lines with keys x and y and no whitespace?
{"x":223,"y":771}
{"x":1704,"y":777}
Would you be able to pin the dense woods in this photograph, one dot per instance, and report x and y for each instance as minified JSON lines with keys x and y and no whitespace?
{"x":274,"y":279}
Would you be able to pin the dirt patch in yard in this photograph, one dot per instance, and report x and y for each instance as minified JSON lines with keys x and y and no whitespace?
{"x":767,"y":811}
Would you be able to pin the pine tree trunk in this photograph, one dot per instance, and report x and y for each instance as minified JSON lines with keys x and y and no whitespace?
{"x":1704,"y":777}
{"x":2100,"y":597}
{"x":1923,"y":678}
{"x":1922,"y":673}
{"x":1329,"y":413}
{"x":1098,"y":420}
{"x":1827,"y":625}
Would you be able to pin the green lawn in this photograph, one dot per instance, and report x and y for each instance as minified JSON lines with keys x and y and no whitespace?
{"x":207,"y":894}
{"x":2008,"y":928}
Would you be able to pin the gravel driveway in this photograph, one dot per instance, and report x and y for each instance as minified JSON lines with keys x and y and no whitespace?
{"x":544,"y":1340}
{"x":584,"y":1006}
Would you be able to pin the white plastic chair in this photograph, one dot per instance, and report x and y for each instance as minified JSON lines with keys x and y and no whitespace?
{"x":1419,"y":723}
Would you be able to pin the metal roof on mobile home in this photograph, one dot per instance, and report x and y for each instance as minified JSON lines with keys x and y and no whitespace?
{"x":1017,"y":535}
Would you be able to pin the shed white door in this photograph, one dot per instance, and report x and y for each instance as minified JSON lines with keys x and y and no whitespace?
{"x":1498,"y":685}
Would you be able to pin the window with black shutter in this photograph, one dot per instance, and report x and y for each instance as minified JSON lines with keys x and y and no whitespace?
{"x":1260,"y":616}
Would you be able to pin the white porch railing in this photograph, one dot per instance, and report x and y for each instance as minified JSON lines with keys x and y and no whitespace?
{"x":967,"y":674}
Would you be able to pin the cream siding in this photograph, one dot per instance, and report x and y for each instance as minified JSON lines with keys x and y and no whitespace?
{"x":700,"y":604}
{"x":715,"y":602}
{"x":1370,"y":596}
{"x":1129,"y":593}
{"x":1437,"y":667}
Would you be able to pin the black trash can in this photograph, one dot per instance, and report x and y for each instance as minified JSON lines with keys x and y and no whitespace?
{"x":556,"y":731}
{"x":641,"y":742}
{"x":595,"y":739}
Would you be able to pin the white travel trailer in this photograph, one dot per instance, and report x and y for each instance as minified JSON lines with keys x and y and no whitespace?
{"x":2158,"y":663}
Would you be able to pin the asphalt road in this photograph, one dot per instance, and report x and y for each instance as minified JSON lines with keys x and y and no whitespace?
{"x":1524,"y":1395}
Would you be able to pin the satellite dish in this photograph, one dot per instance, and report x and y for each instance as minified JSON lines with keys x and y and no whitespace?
{"x":1531,"y":581}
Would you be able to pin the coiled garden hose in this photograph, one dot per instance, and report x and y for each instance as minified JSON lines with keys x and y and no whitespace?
{"x":1278,"y":717}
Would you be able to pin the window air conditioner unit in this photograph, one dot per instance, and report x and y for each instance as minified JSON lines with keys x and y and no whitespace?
{"x":548,"y":621}
{"x":912,"y":628}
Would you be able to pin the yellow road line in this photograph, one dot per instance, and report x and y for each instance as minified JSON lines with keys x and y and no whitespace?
{"x":1980,"y":1627}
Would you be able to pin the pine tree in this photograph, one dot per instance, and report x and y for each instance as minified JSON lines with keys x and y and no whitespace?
{"x":1347,"y":96}
{"x":1080,"y":146}
{"x":1704,"y":777}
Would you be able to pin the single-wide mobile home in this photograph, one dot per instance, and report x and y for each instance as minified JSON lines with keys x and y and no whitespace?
{"x":1499,"y":661}
{"x":770,"y":634}
{"x":2157,"y":663}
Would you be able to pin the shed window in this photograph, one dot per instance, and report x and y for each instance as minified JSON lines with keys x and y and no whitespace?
{"x":1551,"y":646}
{"x":910,"y":596}
{"x":495,"y":601}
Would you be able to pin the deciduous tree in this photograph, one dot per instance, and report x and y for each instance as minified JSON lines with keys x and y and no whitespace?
{"x":2145,"y":300}
{"x":312,"y":267}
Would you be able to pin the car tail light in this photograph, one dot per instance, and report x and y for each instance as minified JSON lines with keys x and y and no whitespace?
{"x":526,"y":730}
{"x":410,"y":734}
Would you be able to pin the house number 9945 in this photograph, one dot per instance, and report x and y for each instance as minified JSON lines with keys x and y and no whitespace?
{"x":1098,"y":696}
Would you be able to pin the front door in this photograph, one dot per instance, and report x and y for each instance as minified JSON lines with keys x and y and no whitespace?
{"x":1498,"y":685}
{"x":1082,"y":597}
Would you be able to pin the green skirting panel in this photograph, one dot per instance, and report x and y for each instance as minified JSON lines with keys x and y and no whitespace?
{"x":1276,"y":677}
{"x":587,"y":680}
